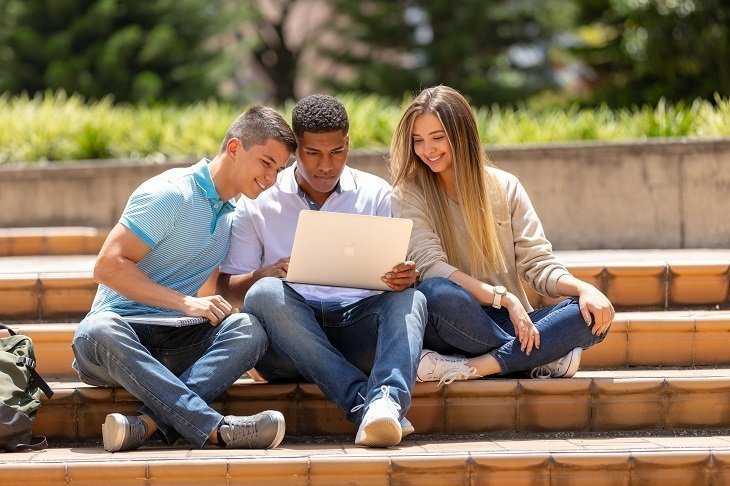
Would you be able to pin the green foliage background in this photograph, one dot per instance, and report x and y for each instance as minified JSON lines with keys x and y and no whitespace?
{"x":137,"y":50}
{"x":52,"y":127}
{"x":626,"y":52}
{"x":144,"y":77}
{"x":646,"y":50}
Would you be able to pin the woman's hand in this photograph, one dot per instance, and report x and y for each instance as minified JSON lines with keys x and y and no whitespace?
{"x":525,"y":330}
{"x":596,"y":308}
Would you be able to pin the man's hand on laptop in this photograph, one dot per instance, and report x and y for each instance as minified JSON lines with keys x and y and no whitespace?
{"x":277,"y":269}
{"x":213,"y":307}
{"x":402,"y":276}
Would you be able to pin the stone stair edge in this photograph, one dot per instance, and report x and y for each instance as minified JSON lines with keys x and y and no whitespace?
{"x":411,"y":462}
{"x":704,"y":377}
{"x":585,"y":258}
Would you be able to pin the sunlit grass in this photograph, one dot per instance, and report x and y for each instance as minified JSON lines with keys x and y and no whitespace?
{"x":56,"y":126}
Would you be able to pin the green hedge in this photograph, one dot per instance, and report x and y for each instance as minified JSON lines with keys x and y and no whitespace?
{"x":55,"y":126}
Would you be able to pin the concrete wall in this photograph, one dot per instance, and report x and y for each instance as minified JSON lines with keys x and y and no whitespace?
{"x":671,"y":194}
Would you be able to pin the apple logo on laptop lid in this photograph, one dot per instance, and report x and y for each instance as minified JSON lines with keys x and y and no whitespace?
{"x":350,"y":250}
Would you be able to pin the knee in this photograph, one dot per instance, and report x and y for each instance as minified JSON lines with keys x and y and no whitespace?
{"x":407,"y":299}
{"x":102,"y":328}
{"x":442,"y":293}
{"x":420,"y":304}
{"x":246,"y":324}
{"x":248,"y":327}
{"x":415,"y":299}
{"x":263,"y":293}
{"x":571,"y":307}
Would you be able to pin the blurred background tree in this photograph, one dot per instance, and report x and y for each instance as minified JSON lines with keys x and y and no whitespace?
{"x":641,"y":51}
{"x":619,"y":52}
{"x":277,"y":36}
{"x":137,"y":50}
{"x":496,"y":51}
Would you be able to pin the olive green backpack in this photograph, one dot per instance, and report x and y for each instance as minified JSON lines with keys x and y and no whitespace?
{"x":20,"y":393}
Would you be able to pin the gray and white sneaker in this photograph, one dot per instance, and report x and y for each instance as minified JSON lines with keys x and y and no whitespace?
{"x":264,"y":430}
{"x":123,"y":433}
{"x":564,"y":367}
{"x":445,"y":369}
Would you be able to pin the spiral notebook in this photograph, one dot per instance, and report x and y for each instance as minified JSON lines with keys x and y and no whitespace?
{"x":166,"y":319}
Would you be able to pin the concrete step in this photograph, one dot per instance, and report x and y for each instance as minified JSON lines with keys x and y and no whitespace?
{"x":649,"y":338}
{"x":62,"y":240}
{"x":61,"y":287}
{"x":592,"y":401}
{"x":544,"y":460}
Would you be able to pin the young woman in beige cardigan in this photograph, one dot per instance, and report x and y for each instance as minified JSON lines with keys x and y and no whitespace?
{"x":475,"y":236}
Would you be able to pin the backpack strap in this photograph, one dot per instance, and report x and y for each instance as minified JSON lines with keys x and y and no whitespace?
{"x":30,"y":364}
{"x":3,"y":326}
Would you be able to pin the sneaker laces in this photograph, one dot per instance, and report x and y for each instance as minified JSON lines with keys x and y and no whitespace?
{"x":137,"y":431}
{"x":457,"y":374}
{"x":541,"y":372}
{"x":238,"y":428}
{"x":358,"y":407}
{"x":546,"y":371}
{"x":386,"y":394}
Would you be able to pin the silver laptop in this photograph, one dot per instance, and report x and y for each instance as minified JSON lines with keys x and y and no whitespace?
{"x":347,"y":250}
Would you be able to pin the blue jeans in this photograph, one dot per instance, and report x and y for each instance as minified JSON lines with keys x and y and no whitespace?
{"x":175,"y":371}
{"x":338,"y":344}
{"x":458,"y":324}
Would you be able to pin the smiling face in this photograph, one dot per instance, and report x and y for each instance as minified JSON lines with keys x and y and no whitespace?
{"x":255,"y":169}
{"x":431,"y":144}
{"x":321,"y":158}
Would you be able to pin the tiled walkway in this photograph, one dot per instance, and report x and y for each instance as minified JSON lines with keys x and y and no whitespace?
{"x":599,"y":461}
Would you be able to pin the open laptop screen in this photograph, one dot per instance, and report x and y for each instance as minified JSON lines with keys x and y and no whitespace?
{"x":347,"y":250}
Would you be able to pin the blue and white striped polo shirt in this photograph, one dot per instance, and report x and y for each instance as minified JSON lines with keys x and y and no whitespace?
{"x":188,"y":228}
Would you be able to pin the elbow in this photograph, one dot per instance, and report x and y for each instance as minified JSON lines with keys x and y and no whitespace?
{"x":222,"y":284}
{"x":102,"y":270}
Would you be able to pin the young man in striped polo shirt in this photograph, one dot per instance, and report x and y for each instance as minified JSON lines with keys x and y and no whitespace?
{"x":173,"y":233}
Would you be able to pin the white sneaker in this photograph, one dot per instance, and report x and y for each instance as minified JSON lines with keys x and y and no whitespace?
{"x":564,"y":367}
{"x":406,"y":427}
{"x":380,"y":427}
{"x":444,"y":369}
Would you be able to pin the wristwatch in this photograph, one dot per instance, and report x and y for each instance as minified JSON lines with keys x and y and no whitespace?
{"x":499,"y":292}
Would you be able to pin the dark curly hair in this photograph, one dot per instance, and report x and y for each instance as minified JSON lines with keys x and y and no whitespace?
{"x":319,"y":113}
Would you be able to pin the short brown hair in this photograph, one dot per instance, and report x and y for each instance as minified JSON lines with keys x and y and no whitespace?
{"x":257,"y":125}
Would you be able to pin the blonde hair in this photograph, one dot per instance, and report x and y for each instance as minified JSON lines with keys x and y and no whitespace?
{"x":475,"y":185}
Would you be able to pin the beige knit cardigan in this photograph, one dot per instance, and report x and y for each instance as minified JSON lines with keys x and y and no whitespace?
{"x":527,"y":251}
